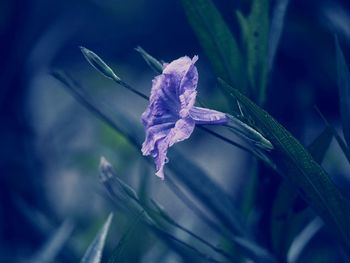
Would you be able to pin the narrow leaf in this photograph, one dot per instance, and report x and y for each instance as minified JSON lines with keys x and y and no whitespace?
{"x":318,"y":148}
{"x":55,"y":244}
{"x":286,"y":220}
{"x":301,"y":169}
{"x":255,"y":29}
{"x":201,"y":185}
{"x":301,"y":241}
{"x":150,"y":60}
{"x":124,"y":240}
{"x":99,"y":64}
{"x":216,"y":40}
{"x":256,"y":253}
{"x":93,"y":253}
{"x":276,"y":28}
{"x":344,"y":91}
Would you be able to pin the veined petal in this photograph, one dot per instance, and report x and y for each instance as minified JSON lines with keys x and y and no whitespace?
{"x":182,"y":131}
{"x":153,"y":135}
{"x":184,"y":74}
{"x":207,"y":116}
{"x":171,"y":115}
{"x":163,"y":94}
{"x":187,"y":100}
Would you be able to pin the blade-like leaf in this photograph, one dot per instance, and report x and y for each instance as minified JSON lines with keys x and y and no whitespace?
{"x":216,"y":40}
{"x":124,"y":239}
{"x":99,"y":64}
{"x":336,"y":135}
{"x":207,"y":192}
{"x":150,"y":60}
{"x":102,"y":67}
{"x":303,"y":239}
{"x":256,"y":253}
{"x":93,"y":253}
{"x":204,"y":188}
{"x":53,"y":246}
{"x":318,"y":148}
{"x":201,"y":186}
{"x":301,"y":169}
{"x":286,"y":220}
{"x":276,"y":28}
{"x":255,"y":29}
{"x":344,"y":91}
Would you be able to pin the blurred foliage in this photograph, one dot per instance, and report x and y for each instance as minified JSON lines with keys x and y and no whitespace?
{"x":217,"y":204}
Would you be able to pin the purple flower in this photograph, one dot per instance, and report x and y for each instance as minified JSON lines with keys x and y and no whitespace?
{"x":171,"y":115}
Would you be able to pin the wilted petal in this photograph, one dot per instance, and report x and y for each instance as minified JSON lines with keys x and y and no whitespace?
{"x":187,"y":100}
{"x":153,"y":135}
{"x":184,"y":74}
{"x":207,"y":116}
{"x":182,"y":131}
{"x":171,"y":116}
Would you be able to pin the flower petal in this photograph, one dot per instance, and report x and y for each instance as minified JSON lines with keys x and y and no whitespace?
{"x":182,"y":131}
{"x":207,"y":116}
{"x":153,"y":135}
{"x":184,"y":73}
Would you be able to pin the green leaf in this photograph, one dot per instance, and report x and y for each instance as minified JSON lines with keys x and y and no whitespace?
{"x":255,"y":31}
{"x":341,"y":143}
{"x":344,"y":91}
{"x":276,"y":28}
{"x":207,"y":192}
{"x":337,"y":137}
{"x":299,"y":167}
{"x":117,"y":252}
{"x":55,"y":244}
{"x":318,"y":148}
{"x":201,"y":186}
{"x":217,"y":41}
{"x":302,"y":240}
{"x":255,"y":253}
{"x":99,"y":64}
{"x":286,"y":221}
{"x":93,"y":253}
{"x":150,"y":60}
{"x":102,"y":67}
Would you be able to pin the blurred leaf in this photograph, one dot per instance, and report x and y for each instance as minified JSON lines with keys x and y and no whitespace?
{"x":163,"y":214}
{"x":341,"y":143}
{"x":117,"y":252}
{"x":207,"y":192}
{"x":217,"y":41}
{"x":107,"y":172}
{"x":106,"y":70}
{"x":276,"y":28}
{"x":243,"y":129}
{"x":286,"y":220}
{"x":200,"y":185}
{"x":151,"y":61}
{"x":336,"y":135}
{"x":249,"y":134}
{"x":255,"y":30}
{"x":302,"y":240}
{"x":301,"y":169}
{"x":344,"y":91}
{"x":94,"y":252}
{"x":318,"y":148}
{"x":134,"y":206}
{"x":190,"y":175}
{"x":99,"y":64}
{"x":55,"y":244}
{"x":255,"y":252}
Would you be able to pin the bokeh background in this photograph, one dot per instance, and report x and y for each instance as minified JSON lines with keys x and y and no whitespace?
{"x":50,"y":145}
